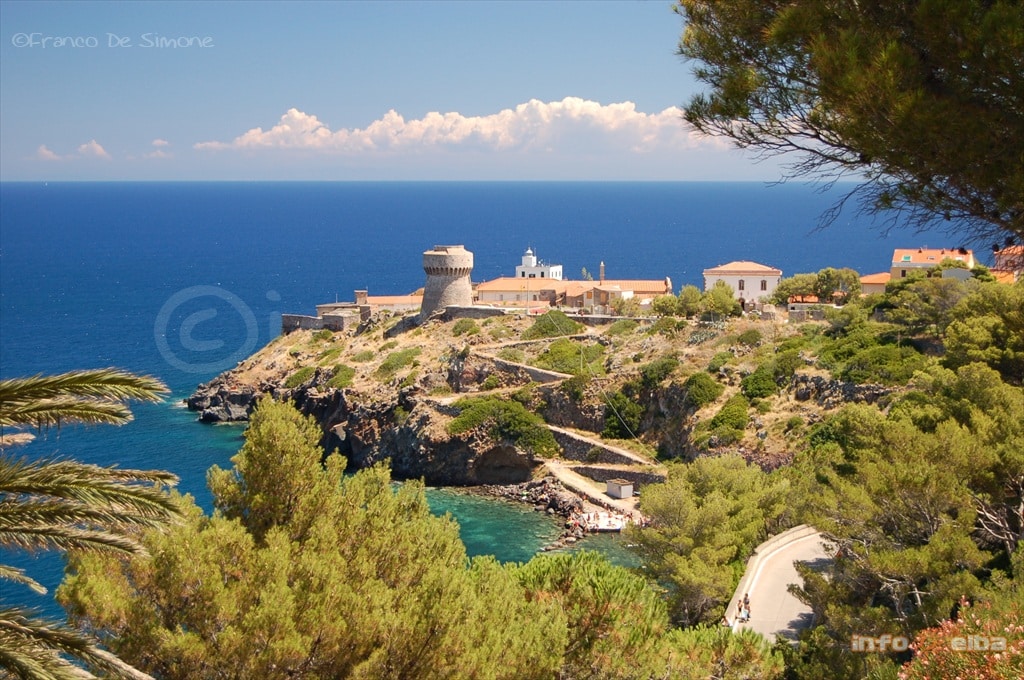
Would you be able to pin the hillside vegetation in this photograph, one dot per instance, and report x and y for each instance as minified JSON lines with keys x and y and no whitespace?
{"x":895,"y":425}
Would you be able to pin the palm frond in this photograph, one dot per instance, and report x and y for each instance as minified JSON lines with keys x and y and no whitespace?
{"x":126,"y":490}
{"x":18,"y":576}
{"x":46,"y":413}
{"x":33,"y":648}
{"x":66,"y":505}
{"x":94,"y":396}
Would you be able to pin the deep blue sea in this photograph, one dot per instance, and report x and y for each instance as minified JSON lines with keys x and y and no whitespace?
{"x":182,"y":280}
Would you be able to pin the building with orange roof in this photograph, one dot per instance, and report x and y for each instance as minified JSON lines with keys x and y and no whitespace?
{"x":528,"y":287}
{"x":748,"y":280}
{"x":908,"y":260}
{"x":874,"y":283}
{"x":1009,"y":264}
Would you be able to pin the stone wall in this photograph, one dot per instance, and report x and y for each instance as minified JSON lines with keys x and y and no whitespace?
{"x":588,"y":451}
{"x":603,"y":474}
{"x":475,"y":312}
{"x":333,"y":322}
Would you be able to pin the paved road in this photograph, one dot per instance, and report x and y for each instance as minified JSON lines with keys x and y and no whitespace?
{"x":774,"y":612}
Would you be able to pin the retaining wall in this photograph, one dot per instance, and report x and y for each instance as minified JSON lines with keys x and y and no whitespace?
{"x":602,"y":474}
{"x":575,"y":447}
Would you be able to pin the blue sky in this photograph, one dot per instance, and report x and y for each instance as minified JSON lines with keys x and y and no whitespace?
{"x":350,"y":91}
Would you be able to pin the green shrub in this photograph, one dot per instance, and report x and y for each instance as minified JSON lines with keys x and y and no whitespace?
{"x":364,"y":356}
{"x":652,"y":374}
{"x":396,"y":361}
{"x":390,"y":344}
{"x":323,"y":334}
{"x":667,"y":325}
{"x":733,"y":414}
{"x":342,"y":377}
{"x":760,"y":383}
{"x":762,"y":406}
{"x":524,"y":395}
{"x":505,"y":419}
{"x":838,"y":351}
{"x":567,"y":356}
{"x":885,"y":364}
{"x":300,"y":376}
{"x":575,"y":387}
{"x":701,"y":390}
{"x":512,"y":354}
{"x":665,"y":305}
{"x":401,"y":416}
{"x":552,"y":324}
{"x":622,"y":417}
{"x":491,"y":382}
{"x":719,"y":360}
{"x":794,"y":424}
{"x":622,"y":327}
{"x":785,"y":363}
{"x":750,"y":338}
{"x":327,"y":356}
{"x":465,"y":327}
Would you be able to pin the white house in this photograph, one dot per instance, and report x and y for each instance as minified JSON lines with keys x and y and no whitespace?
{"x":748,"y":280}
{"x":531,"y":268}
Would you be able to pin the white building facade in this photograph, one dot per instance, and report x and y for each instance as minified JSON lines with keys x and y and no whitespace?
{"x":531,"y":268}
{"x":749,"y":280}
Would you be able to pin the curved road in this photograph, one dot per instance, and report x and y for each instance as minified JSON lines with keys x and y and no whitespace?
{"x":774,"y":612}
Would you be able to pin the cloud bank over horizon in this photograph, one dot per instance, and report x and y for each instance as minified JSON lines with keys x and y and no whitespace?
{"x":562,"y":125}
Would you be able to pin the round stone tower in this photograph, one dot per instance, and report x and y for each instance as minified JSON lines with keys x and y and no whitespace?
{"x":448,"y":269}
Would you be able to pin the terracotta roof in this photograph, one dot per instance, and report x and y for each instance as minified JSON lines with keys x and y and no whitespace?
{"x":394,"y":299}
{"x":518,"y":284}
{"x":744,"y":267}
{"x":1011,"y":250}
{"x":929,"y":256}
{"x":637,"y":285}
{"x":881,"y":277}
{"x":512,"y":283}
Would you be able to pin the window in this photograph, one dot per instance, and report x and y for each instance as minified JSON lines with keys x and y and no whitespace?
{"x":903,"y":273}
{"x":742,"y":284}
{"x":542,"y":275}
{"x":523,"y":274}
{"x":764,"y":285}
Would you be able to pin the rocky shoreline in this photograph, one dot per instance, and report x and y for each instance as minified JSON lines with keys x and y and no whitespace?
{"x":550,"y":496}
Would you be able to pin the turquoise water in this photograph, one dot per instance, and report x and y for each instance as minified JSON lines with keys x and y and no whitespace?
{"x":514,"y":532}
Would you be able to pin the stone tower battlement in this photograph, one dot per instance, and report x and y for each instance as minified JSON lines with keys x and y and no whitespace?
{"x":448,"y":269}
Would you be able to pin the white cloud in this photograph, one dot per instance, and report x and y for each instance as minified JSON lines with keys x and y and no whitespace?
{"x":92,"y":148}
{"x":161,"y":142}
{"x":570,"y":124}
{"x":43,"y":153}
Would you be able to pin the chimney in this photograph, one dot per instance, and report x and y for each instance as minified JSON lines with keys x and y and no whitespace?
{"x":601,"y":274}
{"x":360,"y":297}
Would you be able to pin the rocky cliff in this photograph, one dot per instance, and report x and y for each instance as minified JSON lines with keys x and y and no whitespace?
{"x":386,"y":392}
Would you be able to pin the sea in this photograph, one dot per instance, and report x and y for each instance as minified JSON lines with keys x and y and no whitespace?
{"x":184,"y":280}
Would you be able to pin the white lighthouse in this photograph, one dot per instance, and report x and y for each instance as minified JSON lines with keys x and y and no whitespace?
{"x":531,"y":268}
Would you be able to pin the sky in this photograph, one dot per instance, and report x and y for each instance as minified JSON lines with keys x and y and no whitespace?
{"x":196,"y":91}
